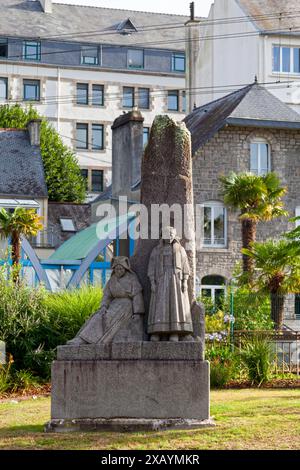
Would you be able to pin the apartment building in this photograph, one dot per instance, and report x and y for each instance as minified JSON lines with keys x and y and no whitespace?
{"x":81,"y":67}
{"x":242,"y":39}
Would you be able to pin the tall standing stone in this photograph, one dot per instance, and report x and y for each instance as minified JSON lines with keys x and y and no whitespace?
{"x":166,"y":179}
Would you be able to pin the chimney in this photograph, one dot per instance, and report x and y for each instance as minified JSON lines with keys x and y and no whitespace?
{"x":34,"y":131}
{"x":46,"y":5}
{"x":127,"y":151}
{"x":192,"y":53}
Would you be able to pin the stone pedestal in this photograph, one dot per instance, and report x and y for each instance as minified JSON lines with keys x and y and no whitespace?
{"x":129,"y":386}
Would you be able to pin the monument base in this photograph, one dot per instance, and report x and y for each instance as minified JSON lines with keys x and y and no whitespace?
{"x":129,"y":386}
{"x":124,"y":425}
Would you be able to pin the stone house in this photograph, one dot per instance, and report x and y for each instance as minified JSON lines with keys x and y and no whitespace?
{"x":247,"y":130}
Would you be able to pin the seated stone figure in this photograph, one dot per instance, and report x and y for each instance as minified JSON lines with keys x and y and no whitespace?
{"x":122,"y":298}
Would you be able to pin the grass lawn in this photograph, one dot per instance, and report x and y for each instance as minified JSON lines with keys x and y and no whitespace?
{"x":246,"y":419}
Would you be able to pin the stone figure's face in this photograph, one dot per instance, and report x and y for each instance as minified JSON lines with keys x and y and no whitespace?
{"x":168,"y":234}
{"x":119,"y":270}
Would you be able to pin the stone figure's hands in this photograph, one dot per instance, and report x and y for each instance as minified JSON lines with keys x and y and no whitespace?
{"x":184,"y":286}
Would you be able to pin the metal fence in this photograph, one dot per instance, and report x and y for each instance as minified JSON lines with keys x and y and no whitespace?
{"x":285,"y":346}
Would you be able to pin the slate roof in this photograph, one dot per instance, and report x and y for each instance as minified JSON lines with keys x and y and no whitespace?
{"x":21,"y":166}
{"x":105,"y":195}
{"x":24,"y":18}
{"x":79,"y":213}
{"x":266,"y":14}
{"x":252,"y":106}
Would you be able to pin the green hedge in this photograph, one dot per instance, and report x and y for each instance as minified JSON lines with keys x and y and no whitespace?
{"x":33,"y":322}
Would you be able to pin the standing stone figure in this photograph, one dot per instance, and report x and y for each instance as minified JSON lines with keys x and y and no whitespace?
{"x":122,"y":298}
{"x":168,"y":271}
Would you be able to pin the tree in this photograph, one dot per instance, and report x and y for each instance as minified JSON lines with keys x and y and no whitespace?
{"x":259,"y":199}
{"x":277,"y":265}
{"x":15,"y":224}
{"x":62,"y":172}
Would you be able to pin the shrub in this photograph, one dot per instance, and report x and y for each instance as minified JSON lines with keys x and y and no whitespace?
{"x":34,"y":322}
{"x":251,"y":311}
{"x":257,"y":357}
{"x":222,"y":364}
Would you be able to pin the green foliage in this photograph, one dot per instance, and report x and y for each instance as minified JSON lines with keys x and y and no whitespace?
{"x":62,"y":172}
{"x":257,"y":357}
{"x":259,"y":198}
{"x":277,"y":265}
{"x":68,"y":310}
{"x":251,"y":310}
{"x":34,"y":322}
{"x":215,"y":322}
{"x":223,"y":365}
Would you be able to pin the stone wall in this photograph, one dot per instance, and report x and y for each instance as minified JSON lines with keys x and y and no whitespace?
{"x":229,"y":150}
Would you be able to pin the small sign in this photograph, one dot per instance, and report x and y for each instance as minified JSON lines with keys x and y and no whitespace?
{"x":2,"y":353}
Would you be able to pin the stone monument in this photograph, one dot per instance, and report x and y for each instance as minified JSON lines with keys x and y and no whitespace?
{"x":138,"y":363}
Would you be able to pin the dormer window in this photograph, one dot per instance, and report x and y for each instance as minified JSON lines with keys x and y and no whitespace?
{"x":126,"y":27}
{"x":135,"y":58}
{"x":89,"y":55}
{"x":3,"y":47}
{"x":32,"y":50}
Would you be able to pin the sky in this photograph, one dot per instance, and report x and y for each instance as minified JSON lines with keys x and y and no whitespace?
{"x":180,"y":7}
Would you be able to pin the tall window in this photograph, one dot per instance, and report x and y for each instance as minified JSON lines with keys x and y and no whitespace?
{"x":31,"y":90}
{"x":128,"y":97}
{"x":173,"y":100}
{"x":81,"y":136}
{"x":178,"y":62}
{"x":85,"y":175}
{"x":3,"y":88}
{"x":214,"y":225}
{"x":97,"y":136}
{"x":183,"y":102}
{"x":82,"y":93}
{"x":97,"y":181}
{"x":260,"y":158}
{"x":97,"y":95}
{"x":144,"y":98}
{"x":286,"y":59}
{"x":146,"y":132}
{"x":213,"y":287}
{"x":89,"y":55}
{"x":32,"y":50}
{"x":3,"y":48}
{"x":135,"y":58}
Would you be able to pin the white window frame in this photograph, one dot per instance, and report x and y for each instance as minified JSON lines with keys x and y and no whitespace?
{"x":281,"y":47}
{"x":213,"y":288}
{"x":259,"y":169}
{"x":213,"y":205}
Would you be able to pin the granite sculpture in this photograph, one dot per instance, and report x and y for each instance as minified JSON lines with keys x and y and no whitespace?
{"x":112,"y":376}
{"x":168,"y":270}
{"x":122,"y":298}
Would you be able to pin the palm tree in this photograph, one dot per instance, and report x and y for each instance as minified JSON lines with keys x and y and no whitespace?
{"x":277,"y":265}
{"x":13,"y":225}
{"x":259,"y":199}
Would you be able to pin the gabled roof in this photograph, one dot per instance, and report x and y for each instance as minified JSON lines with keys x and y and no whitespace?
{"x":85,"y":24}
{"x":252,"y":106}
{"x":21,"y":166}
{"x":126,"y":27}
{"x":273,"y":15}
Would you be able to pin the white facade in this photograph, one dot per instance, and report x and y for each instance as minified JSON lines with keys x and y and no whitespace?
{"x":58,"y":93}
{"x":232,"y":51}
